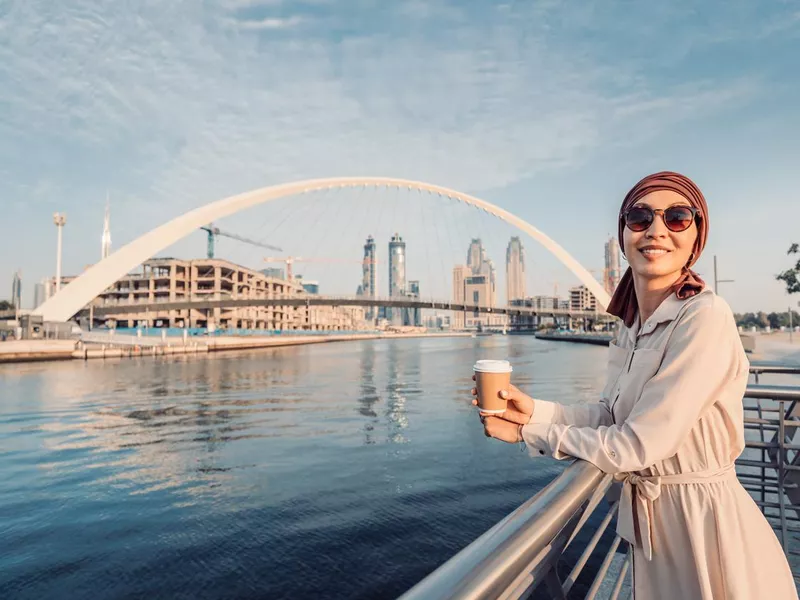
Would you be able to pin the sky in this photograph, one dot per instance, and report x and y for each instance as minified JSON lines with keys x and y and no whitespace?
{"x":551,"y":110}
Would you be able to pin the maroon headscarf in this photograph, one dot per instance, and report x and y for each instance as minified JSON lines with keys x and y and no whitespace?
{"x":623,"y":304}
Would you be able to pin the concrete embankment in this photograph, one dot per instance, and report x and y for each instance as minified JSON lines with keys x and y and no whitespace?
{"x":34,"y":350}
{"x":578,"y":338}
{"x":40,"y":350}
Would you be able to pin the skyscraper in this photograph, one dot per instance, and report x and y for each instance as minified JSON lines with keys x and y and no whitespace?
{"x":612,"y":271}
{"x":515,"y":270}
{"x":397,"y":274}
{"x":480,"y":265}
{"x":16,"y":290}
{"x":460,"y":275}
{"x":369,"y":282}
{"x":41,"y":292}
{"x":413,"y":315}
{"x":476,"y":255}
{"x":106,"y":242}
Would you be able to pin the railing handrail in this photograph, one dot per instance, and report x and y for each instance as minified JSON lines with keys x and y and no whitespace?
{"x":781,"y":393}
{"x":774,"y":367}
{"x":489,"y":566}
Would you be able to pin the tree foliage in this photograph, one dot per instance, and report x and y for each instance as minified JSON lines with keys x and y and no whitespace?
{"x":791,"y":277}
{"x":6,"y":305}
{"x":761,"y":320}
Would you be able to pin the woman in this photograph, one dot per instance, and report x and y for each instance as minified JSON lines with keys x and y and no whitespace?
{"x":670,"y":421}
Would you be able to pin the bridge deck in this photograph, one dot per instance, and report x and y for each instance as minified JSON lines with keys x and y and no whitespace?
{"x":204,"y":303}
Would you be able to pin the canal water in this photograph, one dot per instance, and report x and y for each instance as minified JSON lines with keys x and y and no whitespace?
{"x":347,"y":470}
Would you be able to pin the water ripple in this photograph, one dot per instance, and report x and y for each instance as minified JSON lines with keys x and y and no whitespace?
{"x":337,"y":471}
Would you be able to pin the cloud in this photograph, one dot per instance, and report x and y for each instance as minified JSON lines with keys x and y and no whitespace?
{"x":171,"y":106}
{"x":268,"y":23}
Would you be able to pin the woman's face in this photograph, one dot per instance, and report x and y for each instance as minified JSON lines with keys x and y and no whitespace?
{"x":657,"y":252}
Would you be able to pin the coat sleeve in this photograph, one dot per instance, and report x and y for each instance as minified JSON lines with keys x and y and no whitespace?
{"x":700,"y":360}
{"x":582,"y":415}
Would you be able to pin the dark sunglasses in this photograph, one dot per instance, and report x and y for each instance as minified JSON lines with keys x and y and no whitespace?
{"x":676,"y":218}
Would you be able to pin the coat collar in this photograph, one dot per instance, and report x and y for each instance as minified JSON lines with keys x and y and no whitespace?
{"x":667,"y":311}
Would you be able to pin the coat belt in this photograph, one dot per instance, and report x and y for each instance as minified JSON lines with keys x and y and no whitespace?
{"x":640,"y":491}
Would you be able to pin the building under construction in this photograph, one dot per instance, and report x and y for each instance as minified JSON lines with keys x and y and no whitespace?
{"x":173,"y":280}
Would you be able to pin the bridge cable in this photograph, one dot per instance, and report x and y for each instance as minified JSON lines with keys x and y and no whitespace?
{"x":351,"y":232}
{"x":430,"y":222}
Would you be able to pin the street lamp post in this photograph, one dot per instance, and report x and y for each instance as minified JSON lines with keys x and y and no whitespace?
{"x":59,"y":220}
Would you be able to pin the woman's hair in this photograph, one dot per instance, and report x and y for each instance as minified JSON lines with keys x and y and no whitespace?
{"x":623,"y":304}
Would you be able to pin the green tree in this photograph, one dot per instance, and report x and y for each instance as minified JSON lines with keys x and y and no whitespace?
{"x":6,"y":305}
{"x":775,"y":320}
{"x":791,"y":277}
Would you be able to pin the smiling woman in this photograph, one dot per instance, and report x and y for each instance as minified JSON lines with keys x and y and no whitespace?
{"x":670,"y":421}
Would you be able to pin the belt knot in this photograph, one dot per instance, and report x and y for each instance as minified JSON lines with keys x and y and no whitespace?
{"x":635,"y":518}
{"x":647,"y":487}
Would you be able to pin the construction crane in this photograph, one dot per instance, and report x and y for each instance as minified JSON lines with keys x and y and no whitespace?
{"x":213,"y":232}
{"x":290,"y":260}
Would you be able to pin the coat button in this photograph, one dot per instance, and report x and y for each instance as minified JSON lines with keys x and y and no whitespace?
{"x":541,"y":452}
{"x":612,"y":453}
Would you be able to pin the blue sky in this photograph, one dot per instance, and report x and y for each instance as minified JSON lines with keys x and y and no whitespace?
{"x":551,"y":110}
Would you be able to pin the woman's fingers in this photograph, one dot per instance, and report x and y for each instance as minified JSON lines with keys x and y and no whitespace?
{"x":474,"y":391}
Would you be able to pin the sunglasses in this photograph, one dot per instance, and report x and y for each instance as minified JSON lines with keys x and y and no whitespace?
{"x":676,"y":218}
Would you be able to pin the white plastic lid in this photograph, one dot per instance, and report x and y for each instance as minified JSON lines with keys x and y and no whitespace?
{"x":492,"y":366}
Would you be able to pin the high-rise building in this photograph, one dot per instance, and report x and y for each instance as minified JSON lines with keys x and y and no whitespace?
{"x":369,"y":283}
{"x":515,"y":270}
{"x":460,"y":275}
{"x":476,"y":284}
{"x":106,"y":241}
{"x":16,"y":290}
{"x":397,"y":275}
{"x":476,"y":255}
{"x":41,"y":292}
{"x":413,"y":315}
{"x":480,"y":265}
{"x":612,"y":273}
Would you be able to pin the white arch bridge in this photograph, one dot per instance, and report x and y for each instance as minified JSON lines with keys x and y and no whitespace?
{"x":82,"y":290}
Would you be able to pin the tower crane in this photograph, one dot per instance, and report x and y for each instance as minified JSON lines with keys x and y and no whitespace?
{"x":213,"y":232}
{"x":290,"y":260}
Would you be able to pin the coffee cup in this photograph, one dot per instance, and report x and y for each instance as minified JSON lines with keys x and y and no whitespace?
{"x":491,"y":377}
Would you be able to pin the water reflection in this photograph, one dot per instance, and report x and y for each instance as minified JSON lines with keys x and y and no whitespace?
{"x":269,"y":459}
{"x":396,"y":399}
{"x":368,"y":396}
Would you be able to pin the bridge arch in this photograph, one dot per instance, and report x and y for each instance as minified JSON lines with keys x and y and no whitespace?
{"x":82,"y":290}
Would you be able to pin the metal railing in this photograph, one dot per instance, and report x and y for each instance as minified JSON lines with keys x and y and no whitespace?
{"x":527,"y":549}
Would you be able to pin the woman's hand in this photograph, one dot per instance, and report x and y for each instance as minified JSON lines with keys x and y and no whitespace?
{"x":520,"y":405}
{"x":502,"y":430}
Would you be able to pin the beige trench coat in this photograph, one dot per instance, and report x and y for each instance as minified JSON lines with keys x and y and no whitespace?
{"x":669,"y":427}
